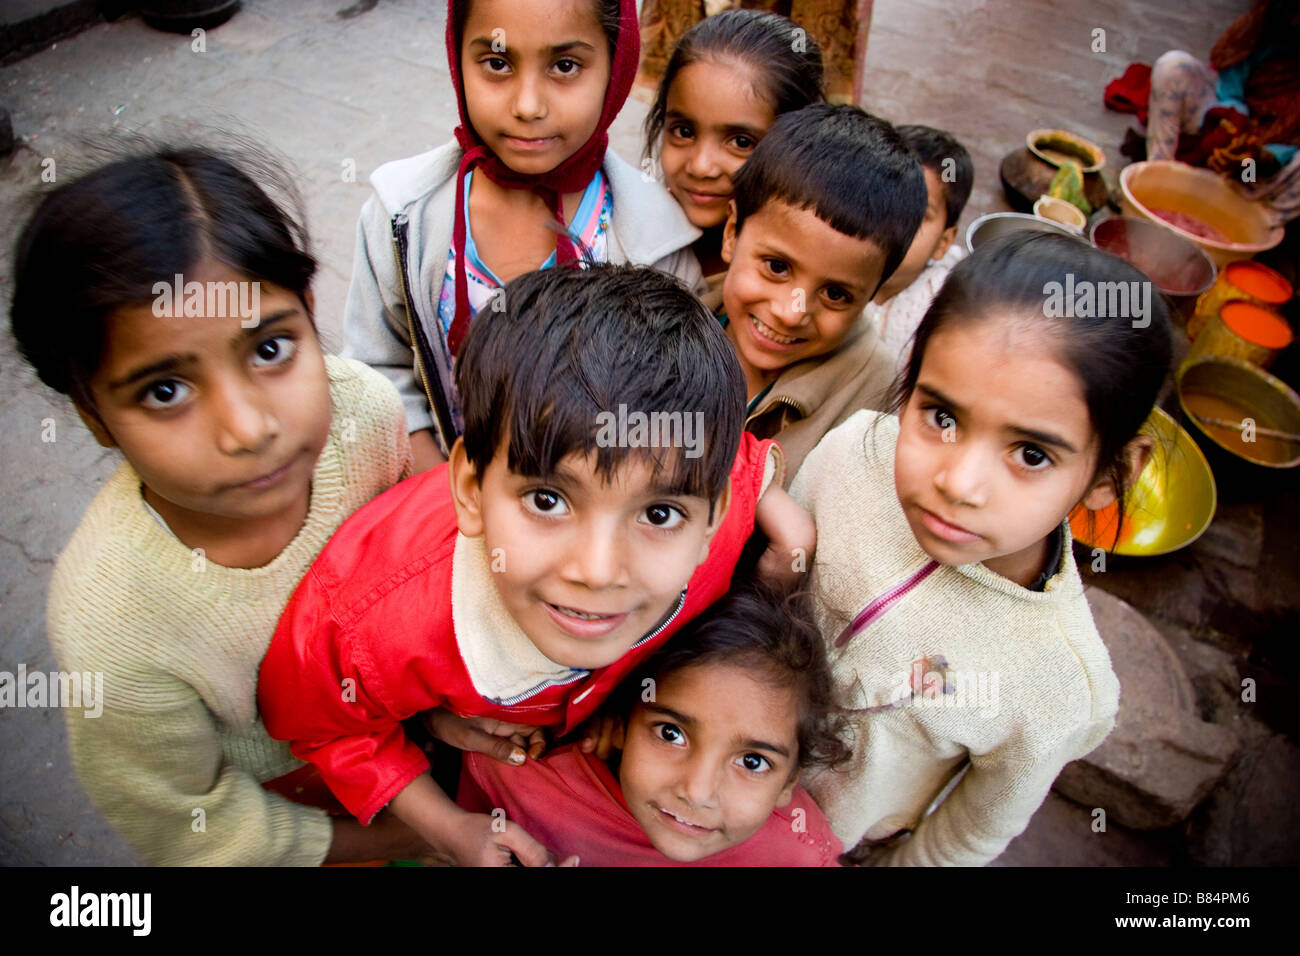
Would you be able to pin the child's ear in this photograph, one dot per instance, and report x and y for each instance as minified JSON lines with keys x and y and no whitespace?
{"x":946,"y":239}
{"x":1133,"y":458}
{"x":466,"y":491}
{"x":92,"y":422}
{"x":719,"y":512}
{"x":729,"y":234}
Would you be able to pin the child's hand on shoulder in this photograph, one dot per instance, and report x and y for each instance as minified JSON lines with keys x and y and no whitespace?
{"x":602,"y":735}
{"x":509,"y":743}
{"x":791,"y":539}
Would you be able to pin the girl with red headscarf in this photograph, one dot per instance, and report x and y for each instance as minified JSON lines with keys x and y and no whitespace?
{"x":528,"y":182}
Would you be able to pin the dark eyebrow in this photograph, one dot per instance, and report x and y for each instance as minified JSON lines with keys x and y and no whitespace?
{"x":277,"y":316}
{"x":753,"y":131}
{"x":830,"y":280}
{"x":1042,"y":438}
{"x":764,"y":745}
{"x":172,"y":363}
{"x":1033,"y":434}
{"x":552,"y":51}
{"x":939,"y":397}
{"x":169,"y":364}
{"x":671,"y":714}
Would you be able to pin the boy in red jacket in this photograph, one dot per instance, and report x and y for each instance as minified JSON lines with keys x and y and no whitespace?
{"x":599,"y":499}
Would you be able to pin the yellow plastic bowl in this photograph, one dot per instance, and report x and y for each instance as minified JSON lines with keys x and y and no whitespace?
{"x":1165,"y":184}
{"x":1169,"y":506}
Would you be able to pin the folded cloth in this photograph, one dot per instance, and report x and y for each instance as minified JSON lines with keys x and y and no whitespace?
{"x":1131,"y":92}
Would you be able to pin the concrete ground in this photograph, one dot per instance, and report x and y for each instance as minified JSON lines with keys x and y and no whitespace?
{"x":333,"y":90}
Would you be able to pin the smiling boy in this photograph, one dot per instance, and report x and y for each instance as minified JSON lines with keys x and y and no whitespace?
{"x":523,"y":578}
{"x":824,"y":212}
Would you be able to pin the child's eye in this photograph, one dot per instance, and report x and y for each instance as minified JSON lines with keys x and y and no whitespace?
{"x":744,"y":143}
{"x":778,"y":267}
{"x":940,"y":418}
{"x":495,"y":64}
{"x":755,"y":763}
{"x":664,"y":516}
{"x":681,"y":131}
{"x":670,"y":733}
{"x":838,"y":295}
{"x":275,"y":351}
{"x":567,"y":67}
{"x":164,"y":393}
{"x":1034,"y":458}
{"x":545,"y":502}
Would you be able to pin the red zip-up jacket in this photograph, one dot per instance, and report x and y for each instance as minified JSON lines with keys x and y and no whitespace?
{"x":368,"y":640}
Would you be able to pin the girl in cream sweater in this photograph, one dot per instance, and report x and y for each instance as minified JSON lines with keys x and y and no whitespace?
{"x":169,"y":296}
{"x":947,"y":590}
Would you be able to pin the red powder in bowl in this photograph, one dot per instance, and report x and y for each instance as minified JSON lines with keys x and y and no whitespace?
{"x":1259,"y":281}
{"x":1256,"y":324}
{"x":1190,"y":224}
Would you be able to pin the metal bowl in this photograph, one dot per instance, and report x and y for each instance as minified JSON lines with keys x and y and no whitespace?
{"x":997,"y":224}
{"x":1169,"y":506}
{"x":1234,"y":390}
{"x":1177,"y":266}
{"x":1166,"y":184}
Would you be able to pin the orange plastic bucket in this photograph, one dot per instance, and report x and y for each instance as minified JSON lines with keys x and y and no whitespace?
{"x":1246,"y":331}
{"x":1244,"y":280}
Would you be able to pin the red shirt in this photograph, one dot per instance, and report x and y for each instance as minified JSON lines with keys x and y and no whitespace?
{"x":368,"y":639}
{"x":571,"y":803}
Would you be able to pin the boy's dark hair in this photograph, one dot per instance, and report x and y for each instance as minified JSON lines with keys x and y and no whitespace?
{"x":773,"y":635}
{"x":790,"y":75}
{"x":100,"y":242}
{"x":851,"y":168}
{"x":932,"y":146}
{"x":1121,"y":367}
{"x":571,"y":346}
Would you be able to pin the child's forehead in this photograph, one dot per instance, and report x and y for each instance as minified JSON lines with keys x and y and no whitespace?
{"x":632,"y":473}
{"x":802,"y":235}
{"x":739,"y":701}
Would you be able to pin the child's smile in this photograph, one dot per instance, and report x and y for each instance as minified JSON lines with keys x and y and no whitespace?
{"x":795,"y":287}
{"x":709,"y":758}
{"x":585,"y":567}
{"x":714,"y":119}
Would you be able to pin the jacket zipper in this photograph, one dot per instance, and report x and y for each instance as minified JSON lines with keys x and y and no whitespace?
{"x":882,"y":603}
{"x":577,"y":675}
{"x":442,"y":419}
{"x":772,"y":403}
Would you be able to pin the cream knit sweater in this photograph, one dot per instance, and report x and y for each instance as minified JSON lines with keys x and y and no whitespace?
{"x":963,"y":666}
{"x":177,"y":758}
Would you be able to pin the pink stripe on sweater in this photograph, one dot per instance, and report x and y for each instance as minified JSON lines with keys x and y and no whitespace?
{"x":883,"y":603}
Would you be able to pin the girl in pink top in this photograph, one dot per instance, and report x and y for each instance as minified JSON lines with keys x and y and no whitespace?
{"x":721,"y":722}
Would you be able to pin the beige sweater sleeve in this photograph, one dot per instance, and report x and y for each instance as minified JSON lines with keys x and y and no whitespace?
{"x":992,"y":804}
{"x":162,"y":781}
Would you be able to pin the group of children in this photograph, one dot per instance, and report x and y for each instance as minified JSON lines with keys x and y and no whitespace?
{"x":310,"y":573}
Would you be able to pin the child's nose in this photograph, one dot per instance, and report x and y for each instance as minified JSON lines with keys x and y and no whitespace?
{"x":245,"y":422}
{"x":702,"y":161}
{"x":596,"y":557}
{"x":962,"y":476}
{"x":699,"y":783}
{"x":529,"y":102}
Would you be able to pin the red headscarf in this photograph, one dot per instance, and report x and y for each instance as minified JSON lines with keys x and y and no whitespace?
{"x":570,"y":176}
